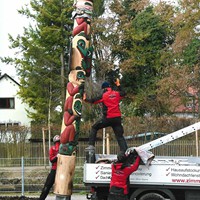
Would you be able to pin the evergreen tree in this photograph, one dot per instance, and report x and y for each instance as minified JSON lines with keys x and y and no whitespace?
{"x":143,"y":41}
{"x":40,"y":66}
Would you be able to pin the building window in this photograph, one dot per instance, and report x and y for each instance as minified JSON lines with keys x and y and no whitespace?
{"x":190,"y":103}
{"x":4,"y":125}
{"x":8,"y":103}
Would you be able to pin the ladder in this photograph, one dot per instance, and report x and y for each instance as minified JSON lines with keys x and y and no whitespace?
{"x":170,"y":137}
{"x":147,"y":156}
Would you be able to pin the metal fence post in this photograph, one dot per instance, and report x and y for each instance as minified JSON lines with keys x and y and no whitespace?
{"x":22,"y":166}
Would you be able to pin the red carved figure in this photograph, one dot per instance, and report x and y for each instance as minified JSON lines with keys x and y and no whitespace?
{"x":83,"y":24}
{"x":68,"y":134}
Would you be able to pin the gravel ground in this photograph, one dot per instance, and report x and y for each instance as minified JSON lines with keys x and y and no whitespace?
{"x":50,"y":197}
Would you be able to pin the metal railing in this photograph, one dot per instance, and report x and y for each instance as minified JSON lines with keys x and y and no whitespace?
{"x":23,"y":178}
{"x":28,"y":174}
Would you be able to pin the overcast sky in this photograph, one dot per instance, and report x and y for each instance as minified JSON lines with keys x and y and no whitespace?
{"x":10,"y":23}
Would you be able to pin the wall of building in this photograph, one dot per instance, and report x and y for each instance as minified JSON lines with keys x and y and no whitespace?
{"x":18,"y":114}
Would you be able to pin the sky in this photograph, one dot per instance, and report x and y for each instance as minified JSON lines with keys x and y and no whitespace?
{"x":11,"y":22}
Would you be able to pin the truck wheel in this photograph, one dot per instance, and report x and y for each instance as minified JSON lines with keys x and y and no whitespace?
{"x":152,"y":196}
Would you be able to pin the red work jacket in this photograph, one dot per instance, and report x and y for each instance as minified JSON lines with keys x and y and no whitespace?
{"x":110,"y":100}
{"x":53,"y":151}
{"x":120,"y":177}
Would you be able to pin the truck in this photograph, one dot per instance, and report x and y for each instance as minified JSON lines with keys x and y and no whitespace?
{"x":166,"y":178}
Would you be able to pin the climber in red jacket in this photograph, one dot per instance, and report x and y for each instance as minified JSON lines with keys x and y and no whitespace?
{"x":53,"y":152}
{"x":110,"y":100}
{"x":121,"y":170}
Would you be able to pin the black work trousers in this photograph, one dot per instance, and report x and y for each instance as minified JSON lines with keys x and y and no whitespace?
{"x":48,"y":184}
{"x":117,"y":127}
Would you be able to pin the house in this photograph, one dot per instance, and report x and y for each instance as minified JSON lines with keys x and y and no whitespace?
{"x":190,"y":109}
{"x":12,"y":109}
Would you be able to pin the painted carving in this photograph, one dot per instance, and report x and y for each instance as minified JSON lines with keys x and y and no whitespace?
{"x":80,"y":63}
{"x":80,"y":68}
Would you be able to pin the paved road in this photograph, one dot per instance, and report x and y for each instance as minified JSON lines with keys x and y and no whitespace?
{"x":73,"y":197}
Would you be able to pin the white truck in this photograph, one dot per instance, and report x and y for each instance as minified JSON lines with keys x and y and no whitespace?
{"x":166,"y":178}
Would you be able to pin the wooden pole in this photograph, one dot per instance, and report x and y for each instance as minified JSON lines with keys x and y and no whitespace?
{"x":64,"y":175}
{"x":104,"y":138}
{"x":44,"y":148}
{"x":108,"y":143}
{"x":197,"y":143}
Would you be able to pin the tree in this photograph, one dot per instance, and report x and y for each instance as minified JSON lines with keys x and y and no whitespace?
{"x":183,"y":71}
{"x":185,"y":23}
{"x":42,"y":74}
{"x":142,"y":44}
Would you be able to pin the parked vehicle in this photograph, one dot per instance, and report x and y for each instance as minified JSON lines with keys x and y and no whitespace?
{"x":166,"y":178}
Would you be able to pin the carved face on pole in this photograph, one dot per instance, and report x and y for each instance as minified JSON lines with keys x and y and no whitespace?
{"x":77,"y":77}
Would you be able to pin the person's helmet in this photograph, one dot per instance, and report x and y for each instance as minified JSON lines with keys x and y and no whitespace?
{"x":105,"y":85}
{"x":121,"y":157}
{"x":56,"y":138}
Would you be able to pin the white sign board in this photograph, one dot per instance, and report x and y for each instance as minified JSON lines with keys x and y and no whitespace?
{"x":155,"y":174}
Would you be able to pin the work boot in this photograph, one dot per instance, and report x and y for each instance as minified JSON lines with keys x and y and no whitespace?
{"x":90,"y":148}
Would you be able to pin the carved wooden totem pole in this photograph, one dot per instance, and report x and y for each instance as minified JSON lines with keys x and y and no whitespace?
{"x":80,"y":68}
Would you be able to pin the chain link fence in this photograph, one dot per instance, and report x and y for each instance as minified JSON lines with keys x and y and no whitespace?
{"x":23,"y":177}
{"x":25,"y":167}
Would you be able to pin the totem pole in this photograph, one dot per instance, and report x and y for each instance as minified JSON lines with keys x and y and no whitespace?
{"x":80,"y":68}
